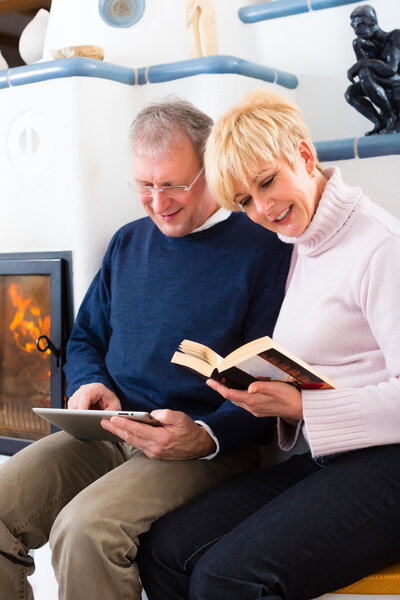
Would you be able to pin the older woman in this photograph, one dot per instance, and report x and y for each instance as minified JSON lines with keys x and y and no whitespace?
{"x":324,"y":518}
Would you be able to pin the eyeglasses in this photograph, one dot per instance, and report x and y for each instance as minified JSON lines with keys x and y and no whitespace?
{"x":173,"y":191}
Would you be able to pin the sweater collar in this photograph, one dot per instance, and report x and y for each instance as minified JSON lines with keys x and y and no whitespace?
{"x":215,"y":218}
{"x":337,"y":209}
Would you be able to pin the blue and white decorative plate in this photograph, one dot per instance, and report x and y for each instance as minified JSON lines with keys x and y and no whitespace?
{"x":121,"y":13}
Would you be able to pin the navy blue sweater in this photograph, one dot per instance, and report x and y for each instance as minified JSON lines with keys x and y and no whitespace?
{"x":222,"y":286}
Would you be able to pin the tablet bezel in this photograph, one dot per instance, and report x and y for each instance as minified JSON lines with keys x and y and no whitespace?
{"x":85,"y":424}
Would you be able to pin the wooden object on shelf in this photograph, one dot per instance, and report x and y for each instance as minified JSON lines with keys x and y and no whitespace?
{"x":202,"y":27}
{"x":96,"y":52}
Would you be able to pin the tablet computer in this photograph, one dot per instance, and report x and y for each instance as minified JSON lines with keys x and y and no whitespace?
{"x":85,"y":424}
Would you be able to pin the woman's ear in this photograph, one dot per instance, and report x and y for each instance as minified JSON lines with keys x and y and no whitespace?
{"x":308,"y":156}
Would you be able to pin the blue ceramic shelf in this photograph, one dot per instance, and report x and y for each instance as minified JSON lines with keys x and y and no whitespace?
{"x":88,"y":67}
{"x":284,"y":8}
{"x":362,"y":147}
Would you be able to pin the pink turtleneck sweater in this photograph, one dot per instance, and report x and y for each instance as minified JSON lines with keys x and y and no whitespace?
{"x":341,"y":313}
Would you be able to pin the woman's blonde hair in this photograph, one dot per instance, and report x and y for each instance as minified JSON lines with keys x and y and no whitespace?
{"x":262,"y":128}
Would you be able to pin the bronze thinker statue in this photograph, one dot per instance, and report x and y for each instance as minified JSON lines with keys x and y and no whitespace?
{"x":375,"y":77}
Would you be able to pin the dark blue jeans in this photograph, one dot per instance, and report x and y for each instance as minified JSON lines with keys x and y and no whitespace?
{"x":293,"y":531}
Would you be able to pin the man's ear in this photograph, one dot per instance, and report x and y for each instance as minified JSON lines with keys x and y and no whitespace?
{"x":308,"y":156}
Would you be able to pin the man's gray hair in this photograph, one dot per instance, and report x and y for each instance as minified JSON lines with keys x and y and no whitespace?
{"x":160,"y":125}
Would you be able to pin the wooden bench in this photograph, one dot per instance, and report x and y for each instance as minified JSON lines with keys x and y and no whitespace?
{"x":381,"y":583}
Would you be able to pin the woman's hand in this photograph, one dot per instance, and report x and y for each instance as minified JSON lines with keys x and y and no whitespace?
{"x":265,"y":398}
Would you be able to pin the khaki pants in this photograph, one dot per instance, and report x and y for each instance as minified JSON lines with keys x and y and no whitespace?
{"x":92,"y":500}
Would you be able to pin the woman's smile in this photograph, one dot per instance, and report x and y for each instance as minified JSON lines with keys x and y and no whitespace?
{"x":284,"y":214}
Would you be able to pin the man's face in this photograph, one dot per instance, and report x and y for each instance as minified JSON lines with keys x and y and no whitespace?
{"x":363,"y":26}
{"x":175,"y":217}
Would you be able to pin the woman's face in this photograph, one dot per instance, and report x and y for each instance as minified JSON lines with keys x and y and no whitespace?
{"x":280,"y":197}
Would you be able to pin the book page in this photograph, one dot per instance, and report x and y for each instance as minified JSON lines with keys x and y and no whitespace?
{"x":200,"y":351}
{"x":193,"y":363}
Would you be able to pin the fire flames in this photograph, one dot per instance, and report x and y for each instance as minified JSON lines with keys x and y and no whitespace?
{"x":28,"y":324}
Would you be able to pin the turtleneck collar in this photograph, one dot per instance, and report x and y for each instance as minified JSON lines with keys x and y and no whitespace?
{"x":337,"y":208}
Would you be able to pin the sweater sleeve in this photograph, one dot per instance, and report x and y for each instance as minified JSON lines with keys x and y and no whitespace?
{"x":234,"y":427}
{"x":87,"y":346}
{"x":346,"y":419}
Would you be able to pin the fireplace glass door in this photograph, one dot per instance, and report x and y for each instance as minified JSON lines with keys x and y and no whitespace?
{"x":31,"y":348}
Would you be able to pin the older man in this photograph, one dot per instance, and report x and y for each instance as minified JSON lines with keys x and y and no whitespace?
{"x":188,"y":270}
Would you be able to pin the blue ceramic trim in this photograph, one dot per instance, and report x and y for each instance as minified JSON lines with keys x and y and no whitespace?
{"x":65,"y":67}
{"x":89,"y":67}
{"x":220,"y":64}
{"x":284,"y":8}
{"x":362,"y":147}
{"x":109,"y":16}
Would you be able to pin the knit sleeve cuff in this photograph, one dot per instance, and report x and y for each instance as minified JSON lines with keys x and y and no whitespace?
{"x":334,"y":421}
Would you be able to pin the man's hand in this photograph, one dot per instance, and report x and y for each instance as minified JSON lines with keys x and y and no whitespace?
{"x":179,"y":438}
{"x":94,"y":396}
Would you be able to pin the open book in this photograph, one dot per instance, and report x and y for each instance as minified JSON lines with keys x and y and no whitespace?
{"x":262,"y":360}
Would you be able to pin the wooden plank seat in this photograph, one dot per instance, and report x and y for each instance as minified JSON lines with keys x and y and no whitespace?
{"x":384,"y":582}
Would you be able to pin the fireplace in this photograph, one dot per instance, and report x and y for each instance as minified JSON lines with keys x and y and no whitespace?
{"x":35,"y":321}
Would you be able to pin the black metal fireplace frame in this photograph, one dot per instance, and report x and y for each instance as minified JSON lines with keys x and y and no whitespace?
{"x":58,"y":265}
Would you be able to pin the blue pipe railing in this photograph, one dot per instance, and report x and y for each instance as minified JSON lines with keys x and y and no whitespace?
{"x":88,"y":67}
{"x":284,"y":8}
{"x":362,"y":147}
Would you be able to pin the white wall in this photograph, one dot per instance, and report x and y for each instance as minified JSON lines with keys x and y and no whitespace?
{"x":72,"y":193}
